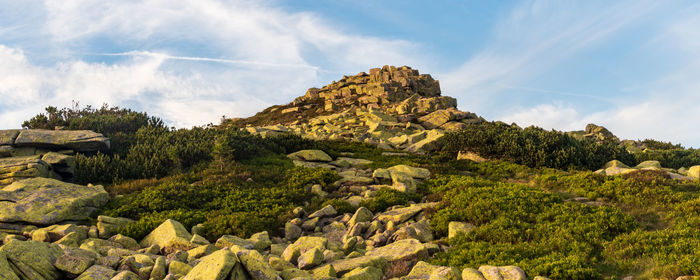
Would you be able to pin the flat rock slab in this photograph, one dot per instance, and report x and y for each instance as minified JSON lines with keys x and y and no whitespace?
{"x":17,"y":168}
{"x":44,"y":201}
{"x":79,"y":140}
{"x":7,"y":137}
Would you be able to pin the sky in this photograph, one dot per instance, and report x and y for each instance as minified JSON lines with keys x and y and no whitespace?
{"x":631,"y":66}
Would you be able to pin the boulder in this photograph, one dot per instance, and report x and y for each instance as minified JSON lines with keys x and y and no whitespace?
{"x":466,"y":155}
{"x":44,"y":201}
{"x":472,"y":274}
{"x":213,"y":267}
{"x":428,"y":143}
{"x":227,"y":241}
{"x":502,"y":273}
{"x":256,"y":266}
{"x":75,"y":261}
{"x":310,"y":259}
{"x":364,"y":273}
{"x":346,"y":265}
{"x":362,"y":214}
{"x":170,"y":236}
{"x":7,"y":137}
{"x":310,"y":155}
{"x":159,"y":269}
{"x":97,"y":272}
{"x":615,"y":163}
{"x":351,"y":162}
{"x":441,"y":117}
{"x":33,"y":259}
{"x":179,"y":268}
{"x":694,"y":172}
{"x":399,"y":215}
{"x":414,"y":172}
{"x":402,"y":250}
{"x":649,"y":164}
{"x":63,"y":165}
{"x":107,"y":226}
{"x":424,"y":270}
{"x":326,"y":211}
{"x":261,"y":241}
{"x":126,"y":275}
{"x":303,"y":244}
{"x":78,"y":140}
{"x":402,"y":182}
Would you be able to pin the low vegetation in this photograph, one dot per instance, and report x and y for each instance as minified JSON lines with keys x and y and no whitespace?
{"x":521,"y":202}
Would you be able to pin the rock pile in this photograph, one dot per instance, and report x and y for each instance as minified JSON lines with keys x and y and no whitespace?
{"x":33,"y":153}
{"x":394,"y":108}
{"x":616,"y":167}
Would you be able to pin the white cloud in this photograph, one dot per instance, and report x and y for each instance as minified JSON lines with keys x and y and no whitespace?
{"x":548,"y":116}
{"x":189,"y":62}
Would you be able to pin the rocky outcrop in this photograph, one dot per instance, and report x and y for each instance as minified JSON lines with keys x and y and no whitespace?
{"x":393,"y":108}
{"x":30,"y":153}
{"x":44,"y":201}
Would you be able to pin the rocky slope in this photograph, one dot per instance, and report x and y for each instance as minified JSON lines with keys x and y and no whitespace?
{"x":317,"y":245}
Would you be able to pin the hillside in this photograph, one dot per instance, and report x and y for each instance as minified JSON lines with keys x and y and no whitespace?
{"x":375,"y":176}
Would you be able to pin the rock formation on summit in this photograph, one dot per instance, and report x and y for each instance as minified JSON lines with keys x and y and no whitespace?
{"x":391,"y":107}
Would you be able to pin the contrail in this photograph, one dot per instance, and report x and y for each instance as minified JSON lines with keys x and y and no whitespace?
{"x":206,"y":59}
{"x":565,"y":93}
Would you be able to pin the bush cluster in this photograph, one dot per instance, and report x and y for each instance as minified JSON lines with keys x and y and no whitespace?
{"x":532,"y":146}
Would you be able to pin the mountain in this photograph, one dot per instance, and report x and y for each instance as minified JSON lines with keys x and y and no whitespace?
{"x":375,"y":176}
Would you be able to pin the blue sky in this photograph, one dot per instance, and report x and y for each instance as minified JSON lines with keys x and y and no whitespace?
{"x":632,"y":66}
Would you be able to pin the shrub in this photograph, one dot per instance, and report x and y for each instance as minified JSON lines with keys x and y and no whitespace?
{"x":532,"y":146}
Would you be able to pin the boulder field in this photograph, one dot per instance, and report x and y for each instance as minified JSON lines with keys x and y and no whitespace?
{"x":323,"y":244}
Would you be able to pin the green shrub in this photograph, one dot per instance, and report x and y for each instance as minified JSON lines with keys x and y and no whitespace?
{"x":532,"y":146}
{"x":386,"y":197}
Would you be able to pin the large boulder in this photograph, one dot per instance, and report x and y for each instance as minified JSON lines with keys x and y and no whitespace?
{"x":97,"y":272}
{"x":303,"y":244}
{"x":78,"y":140}
{"x":256,"y":266}
{"x":402,"y":250}
{"x":213,"y":267}
{"x":44,"y":201}
{"x":441,"y":117}
{"x":33,"y":259}
{"x":170,"y":236}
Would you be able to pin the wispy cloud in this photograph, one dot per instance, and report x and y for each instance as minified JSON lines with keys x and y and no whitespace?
{"x":189,"y":62}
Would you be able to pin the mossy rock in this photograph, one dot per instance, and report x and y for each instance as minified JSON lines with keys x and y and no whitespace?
{"x":44,"y":201}
{"x":169,"y":236}
{"x":216,"y":266}
{"x":310,"y":155}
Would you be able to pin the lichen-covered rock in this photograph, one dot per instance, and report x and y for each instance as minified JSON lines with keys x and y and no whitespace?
{"x":108,"y":226}
{"x":310,"y":259}
{"x":472,"y":274}
{"x":649,"y":164}
{"x":159,"y":269}
{"x":310,"y":155}
{"x":45,"y":201}
{"x":303,"y":244}
{"x":261,"y":240}
{"x":402,"y":250}
{"x":75,"y":261}
{"x":414,"y":172}
{"x":170,"y":236}
{"x":326,"y":211}
{"x":227,"y":241}
{"x":78,"y":140}
{"x":257,"y":267}
{"x":292,"y":273}
{"x":126,"y":275}
{"x":97,"y":272}
{"x":5,"y":269}
{"x":213,"y":267}
{"x":127,"y":242}
{"x":362,"y":214}
{"x":33,"y":259}
{"x":364,"y":273}
{"x":179,"y":268}
{"x":399,"y":215}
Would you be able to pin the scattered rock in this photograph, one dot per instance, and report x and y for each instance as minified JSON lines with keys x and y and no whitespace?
{"x":215,"y":266}
{"x":310,"y":155}
{"x":170,"y":236}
